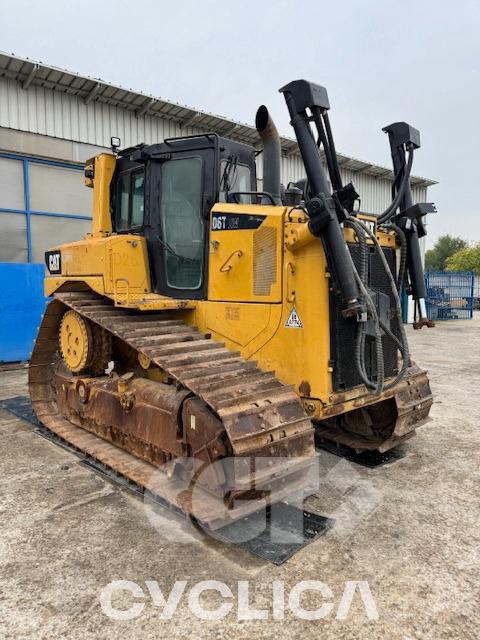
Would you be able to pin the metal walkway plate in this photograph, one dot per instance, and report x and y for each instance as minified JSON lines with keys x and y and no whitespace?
{"x":283,"y":530}
{"x":274,"y":534}
{"x":368,"y":458}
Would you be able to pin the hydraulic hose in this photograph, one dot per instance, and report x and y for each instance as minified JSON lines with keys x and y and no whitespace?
{"x":333,"y":151}
{"x":403,"y":253}
{"x":361,"y":279}
{"x":332,"y":235}
{"x":393,"y":206}
{"x":406,"y":362}
{"x":360,"y":345}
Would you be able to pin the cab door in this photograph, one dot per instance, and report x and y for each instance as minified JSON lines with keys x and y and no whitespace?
{"x":181,"y":194}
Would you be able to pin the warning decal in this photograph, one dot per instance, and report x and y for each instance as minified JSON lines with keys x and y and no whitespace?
{"x":293,"y":321}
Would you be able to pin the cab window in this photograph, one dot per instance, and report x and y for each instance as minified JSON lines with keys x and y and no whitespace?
{"x":129,"y":206}
{"x":234,"y":177}
{"x":182,"y":225}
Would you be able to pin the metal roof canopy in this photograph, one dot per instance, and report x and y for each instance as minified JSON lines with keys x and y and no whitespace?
{"x":29,"y":72}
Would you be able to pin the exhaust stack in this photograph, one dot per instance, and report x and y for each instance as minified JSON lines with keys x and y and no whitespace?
{"x":271,"y":152}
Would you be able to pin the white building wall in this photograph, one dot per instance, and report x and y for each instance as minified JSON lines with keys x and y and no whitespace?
{"x":66,"y":116}
{"x":375,"y":192}
{"x":62,"y":115}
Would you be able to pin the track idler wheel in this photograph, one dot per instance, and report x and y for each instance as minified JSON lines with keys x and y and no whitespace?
{"x":85,"y":347}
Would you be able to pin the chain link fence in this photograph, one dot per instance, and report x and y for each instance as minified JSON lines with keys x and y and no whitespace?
{"x":451,"y":295}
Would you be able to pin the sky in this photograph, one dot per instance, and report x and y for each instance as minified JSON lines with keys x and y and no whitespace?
{"x":381,"y":61}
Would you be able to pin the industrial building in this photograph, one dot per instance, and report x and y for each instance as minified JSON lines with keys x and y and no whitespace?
{"x":51,"y":121}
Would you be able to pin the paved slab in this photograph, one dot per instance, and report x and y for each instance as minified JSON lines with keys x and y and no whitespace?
{"x":411,"y":529}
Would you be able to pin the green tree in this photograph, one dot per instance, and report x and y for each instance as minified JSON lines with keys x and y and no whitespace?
{"x":465,"y":260}
{"x":446,"y":246}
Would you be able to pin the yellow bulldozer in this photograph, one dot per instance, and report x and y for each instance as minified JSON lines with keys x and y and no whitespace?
{"x":202,"y":322}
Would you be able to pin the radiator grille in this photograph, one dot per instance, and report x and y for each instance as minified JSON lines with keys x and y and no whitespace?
{"x":264,"y":260}
{"x":343,"y":330}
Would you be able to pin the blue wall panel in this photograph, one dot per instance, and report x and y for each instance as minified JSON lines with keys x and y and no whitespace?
{"x":21,"y":305}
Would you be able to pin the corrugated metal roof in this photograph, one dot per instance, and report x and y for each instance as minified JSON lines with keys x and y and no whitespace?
{"x":29,"y":72}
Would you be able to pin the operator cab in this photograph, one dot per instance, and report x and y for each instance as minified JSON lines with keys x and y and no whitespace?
{"x":165,"y":192}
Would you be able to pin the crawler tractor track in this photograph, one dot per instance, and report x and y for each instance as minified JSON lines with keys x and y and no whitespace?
{"x":261,"y":417}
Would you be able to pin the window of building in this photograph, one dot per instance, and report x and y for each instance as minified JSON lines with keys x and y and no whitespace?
{"x":43,"y":204}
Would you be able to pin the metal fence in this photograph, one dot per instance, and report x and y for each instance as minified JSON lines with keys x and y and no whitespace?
{"x":450,"y":295}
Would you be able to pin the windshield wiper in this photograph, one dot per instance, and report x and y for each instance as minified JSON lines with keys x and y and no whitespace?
{"x":172,"y":251}
{"x":226,"y":182}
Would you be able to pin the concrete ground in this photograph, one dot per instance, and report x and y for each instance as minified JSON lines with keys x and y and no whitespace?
{"x":411,"y":529}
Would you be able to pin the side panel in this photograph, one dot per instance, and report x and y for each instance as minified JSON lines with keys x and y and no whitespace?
{"x":128,"y":267}
{"x":245,"y":261}
{"x":295,"y":338}
{"x":239,"y":324}
{"x":299,"y":351}
{"x":120,"y":262}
